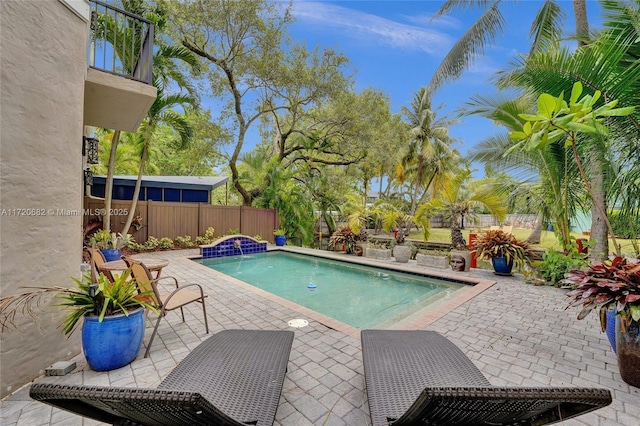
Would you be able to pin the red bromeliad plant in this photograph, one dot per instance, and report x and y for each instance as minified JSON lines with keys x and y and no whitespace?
{"x":497,"y":243}
{"x":613,"y":284}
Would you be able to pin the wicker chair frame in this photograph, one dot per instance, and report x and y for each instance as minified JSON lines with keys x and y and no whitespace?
{"x":233,"y":378}
{"x":421,"y":378}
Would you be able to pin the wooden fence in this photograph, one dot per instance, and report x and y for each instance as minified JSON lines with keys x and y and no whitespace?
{"x":166,"y":219}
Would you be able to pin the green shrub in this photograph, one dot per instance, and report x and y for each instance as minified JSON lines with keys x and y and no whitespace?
{"x":136,"y":246}
{"x":166,"y":243}
{"x":554,"y":265}
{"x":184,"y":242}
{"x":623,"y":227}
{"x":152,"y":243}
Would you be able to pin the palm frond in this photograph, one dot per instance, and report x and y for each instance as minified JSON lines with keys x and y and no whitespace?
{"x":471,"y":44}
{"x":546,"y":28}
{"x":451,"y":5}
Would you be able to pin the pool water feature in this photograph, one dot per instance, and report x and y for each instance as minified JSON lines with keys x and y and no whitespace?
{"x":358,"y":295}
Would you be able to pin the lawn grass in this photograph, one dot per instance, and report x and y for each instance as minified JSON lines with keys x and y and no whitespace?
{"x":548,"y":239}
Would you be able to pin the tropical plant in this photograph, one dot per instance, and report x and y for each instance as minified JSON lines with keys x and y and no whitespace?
{"x":608,"y":64}
{"x":551,"y":270}
{"x":497,"y":243}
{"x":548,"y":179}
{"x":166,"y":72}
{"x":344,"y":236}
{"x":609,"y":285}
{"x":279,"y":232}
{"x":557,"y":120}
{"x":103,"y":298}
{"x":107,"y":240}
{"x":459,"y":199}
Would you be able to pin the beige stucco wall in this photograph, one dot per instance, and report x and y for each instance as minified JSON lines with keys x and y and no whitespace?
{"x":43,"y":45}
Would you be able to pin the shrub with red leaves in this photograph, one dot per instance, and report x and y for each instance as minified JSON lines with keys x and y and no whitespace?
{"x":613,"y":284}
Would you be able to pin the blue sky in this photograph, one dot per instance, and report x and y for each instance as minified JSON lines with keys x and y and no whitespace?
{"x":395,"y":47}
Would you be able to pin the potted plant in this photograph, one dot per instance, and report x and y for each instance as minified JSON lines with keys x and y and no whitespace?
{"x":280,"y":237}
{"x":362,"y":242}
{"x":614,"y":286}
{"x":344,"y":237}
{"x":110,"y":243}
{"x":401,"y":253}
{"x":112,"y":315}
{"x":503,"y":250}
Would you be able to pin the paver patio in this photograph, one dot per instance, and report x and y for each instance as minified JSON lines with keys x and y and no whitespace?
{"x":516,"y":333}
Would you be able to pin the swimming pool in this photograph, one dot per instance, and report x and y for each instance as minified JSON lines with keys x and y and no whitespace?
{"x":358,"y":295}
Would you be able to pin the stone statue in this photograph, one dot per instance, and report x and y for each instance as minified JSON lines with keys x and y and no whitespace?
{"x":458,"y":262}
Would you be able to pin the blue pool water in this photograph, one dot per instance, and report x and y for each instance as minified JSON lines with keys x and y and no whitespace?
{"x":357,"y":295}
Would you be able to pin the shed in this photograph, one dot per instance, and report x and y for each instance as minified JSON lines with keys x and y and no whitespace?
{"x":182,"y":189}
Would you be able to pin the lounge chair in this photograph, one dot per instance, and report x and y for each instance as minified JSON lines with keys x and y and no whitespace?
{"x":421,"y":378}
{"x":177,"y":299}
{"x":233,"y":378}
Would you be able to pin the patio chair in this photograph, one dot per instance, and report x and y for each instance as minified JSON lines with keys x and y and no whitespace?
{"x":234,"y":377}
{"x":177,"y":299}
{"x":97,"y":259}
{"x":421,"y":378}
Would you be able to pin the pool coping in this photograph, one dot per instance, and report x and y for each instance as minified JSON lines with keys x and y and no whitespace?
{"x":477,"y":286}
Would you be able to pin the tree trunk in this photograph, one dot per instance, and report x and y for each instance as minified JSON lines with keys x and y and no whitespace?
{"x":235,"y":175}
{"x":108,"y":189}
{"x":457,"y":240}
{"x":599,"y":231}
{"x":136,"y":191}
{"x":536,"y":234}
{"x":582,"y":23}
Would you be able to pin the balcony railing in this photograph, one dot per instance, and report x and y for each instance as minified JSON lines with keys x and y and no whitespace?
{"x":121,"y":43}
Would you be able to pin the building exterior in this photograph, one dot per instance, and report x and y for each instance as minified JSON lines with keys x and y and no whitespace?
{"x":180,"y":189}
{"x":49,"y":93}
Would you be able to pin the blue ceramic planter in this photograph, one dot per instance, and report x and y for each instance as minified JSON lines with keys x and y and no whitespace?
{"x":111,"y":254}
{"x":501,"y":266}
{"x":611,"y":329}
{"x":114,"y":342}
{"x":280,"y":240}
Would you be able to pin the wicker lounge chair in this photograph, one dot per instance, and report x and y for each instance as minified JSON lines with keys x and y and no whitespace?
{"x":421,"y":378}
{"x":233,"y":378}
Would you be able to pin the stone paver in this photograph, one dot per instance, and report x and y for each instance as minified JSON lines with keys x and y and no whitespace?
{"x":516,"y":333}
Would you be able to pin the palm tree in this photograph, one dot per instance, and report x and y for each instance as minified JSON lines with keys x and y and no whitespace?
{"x":429,"y":155}
{"x":160,"y":112}
{"x":166,"y":71}
{"x":609,"y":64}
{"x":461,"y":198}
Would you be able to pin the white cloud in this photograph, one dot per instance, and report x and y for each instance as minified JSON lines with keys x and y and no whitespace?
{"x":356,"y":24}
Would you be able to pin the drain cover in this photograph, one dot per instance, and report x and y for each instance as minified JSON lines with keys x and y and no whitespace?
{"x":298,"y":323}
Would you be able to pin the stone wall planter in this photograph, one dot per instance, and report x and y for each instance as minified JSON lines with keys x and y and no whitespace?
{"x":374,"y":253}
{"x":432,"y":260}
